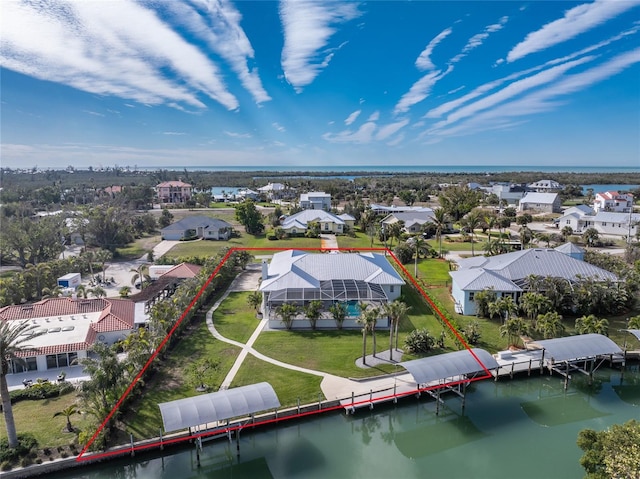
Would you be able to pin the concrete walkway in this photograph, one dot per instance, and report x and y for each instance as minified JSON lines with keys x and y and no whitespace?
{"x":333,"y":387}
{"x":328,"y":241}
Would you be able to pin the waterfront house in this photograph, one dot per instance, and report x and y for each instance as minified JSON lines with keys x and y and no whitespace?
{"x":507,"y":274}
{"x":545,"y":186}
{"x":297,"y":277}
{"x":612,"y":201}
{"x":174,"y":192}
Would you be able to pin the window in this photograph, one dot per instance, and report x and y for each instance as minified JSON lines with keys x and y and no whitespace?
{"x":61,"y":360}
{"x":604,"y":224}
{"x":30,"y":364}
{"x":472,"y":295}
{"x":391,"y":288}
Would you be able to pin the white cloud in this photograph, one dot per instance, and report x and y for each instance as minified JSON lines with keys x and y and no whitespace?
{"x":173,"y":133}
{"x":419,"y":90}
{"x":510,"y":91}
{"x":94,"y":113}
{"x":364,"y":134}
{"x":237,"y":135}
{"x":388,"y":130}
{"x":397,"y":140}
{"x":541,"y":100}
{"x":482,"y":89}
{"x":218,"y":24}
{"x":115,"y":48}
{"x":278,"y":126}
{"x":351,"y":118}
{"x":308,"y":26}
{"x":375,"y":116}
{"x":423,"y":62}
{"x":476,"y":40}
{"x":575,"y":21}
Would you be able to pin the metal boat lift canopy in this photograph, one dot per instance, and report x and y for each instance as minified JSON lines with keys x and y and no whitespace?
{"x":450,"y":365}
{"x":218,"y":406}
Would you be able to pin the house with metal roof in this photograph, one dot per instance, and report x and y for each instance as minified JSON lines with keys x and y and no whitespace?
{"x":197,"y":227}
{"x":541,"y":202}
{"x":298,"y":223}
{"x":70,"y":327}
{"x":297,"y":277}
{"x":545,"y":186}
{"x":507,"y":274}
{"x":581,"y":218}
{"x":412,"y":220}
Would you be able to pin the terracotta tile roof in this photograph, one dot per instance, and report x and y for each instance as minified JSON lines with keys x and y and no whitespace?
{"x":116,"y":315}
{"x":183,"y":270}
{"x":174,"y":184}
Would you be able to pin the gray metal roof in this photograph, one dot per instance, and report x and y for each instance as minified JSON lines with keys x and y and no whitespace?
{"x":297,"y":269}
{"x":540,"y":262}
{"x":635,"y":332}
{"x":581,"y":346}
{"x":478,"y":279}
{"x":305,"y":217}
{"x":542,"y":198}
{"x":218,"y":406}
{"x":192,"y":222}
{"x":449,"y":365}
{"x":569,"y":248}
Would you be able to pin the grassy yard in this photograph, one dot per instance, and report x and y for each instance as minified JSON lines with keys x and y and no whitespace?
{"x":36,"y":417}
{"x":170,"y":383}
{"x":289,"y":385}
{"x":361,"y":240}
{"x":235,"y":319}
{"x":210,"y":248}
{"x":138,"y":248}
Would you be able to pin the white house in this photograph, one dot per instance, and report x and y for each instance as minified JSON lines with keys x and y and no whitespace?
{"x":297,"y":223}
{"x":70,"y":327}
{"x":541,"y":202}
{"x":545,"y":186}
{"x":574,"y":217}
{"x":315,"y":200}
{"x":275,"y":191}
{"x":413,"y":220}
{"x":580,"y":218}
{"x":197,"y":226}
{"x":507,"y":274}
{"x":383,"y":209}
{"x":613,"y":201}
{"x":297,"y":277}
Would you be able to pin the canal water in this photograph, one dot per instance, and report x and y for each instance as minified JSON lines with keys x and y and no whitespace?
{"x":521,"y":428}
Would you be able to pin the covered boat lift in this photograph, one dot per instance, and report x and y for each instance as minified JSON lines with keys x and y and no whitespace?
{"x":450,"y":372}
{"x":198,"y":411}
{"x":584,"y":353}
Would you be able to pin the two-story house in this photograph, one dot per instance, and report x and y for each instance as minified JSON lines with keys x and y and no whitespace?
{"x":174,"y":192}
{"x":613,"y":201}
{"x":315,"y":200}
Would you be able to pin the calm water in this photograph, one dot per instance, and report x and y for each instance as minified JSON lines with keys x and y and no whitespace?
{"x":406,"y":168}
{"x":526,"y":428}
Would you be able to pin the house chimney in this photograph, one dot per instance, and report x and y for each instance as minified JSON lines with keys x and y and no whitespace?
{"x":265,"y":269}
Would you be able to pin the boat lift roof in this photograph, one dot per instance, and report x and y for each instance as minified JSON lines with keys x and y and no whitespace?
{"x":450,"y":365}
{"x":218,"y":406}
{"x":580,"y":347}
{"x":635,"y":332}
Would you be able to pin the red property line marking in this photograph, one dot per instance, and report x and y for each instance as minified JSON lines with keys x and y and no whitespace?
{"x":120,"y":451}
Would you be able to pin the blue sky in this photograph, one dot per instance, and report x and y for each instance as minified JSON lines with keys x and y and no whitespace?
{"x":307,"y":83}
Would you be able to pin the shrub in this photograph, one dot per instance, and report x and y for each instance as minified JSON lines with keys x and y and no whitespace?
{"x":5,"y":466}
{"x":41,"y":390}
{"x":26,"y":461}
{"x":26,"y":442}
{"x":419,"y":341}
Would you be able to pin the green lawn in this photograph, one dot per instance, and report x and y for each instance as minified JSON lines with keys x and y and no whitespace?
{"x":138,"y":248}
{"x":235,"y":319}
{"x":36,"y":417}
{"x":169,"y":383}
{"x":289,"y":385}
{"x":211,"y":248}
{"x":361,"y":240}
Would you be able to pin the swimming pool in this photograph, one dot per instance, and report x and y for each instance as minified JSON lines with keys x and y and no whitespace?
{"x":353,"y":308}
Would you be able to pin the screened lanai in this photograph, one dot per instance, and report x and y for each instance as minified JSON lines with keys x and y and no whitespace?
{"x":330,"y":291}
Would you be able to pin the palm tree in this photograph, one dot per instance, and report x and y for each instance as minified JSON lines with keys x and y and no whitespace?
{"x":41,"y":275}
{"x":287,"y":312}
{"x":103,"y":256}
{"x":394,"y":230}
{"x":472,"y":221}
{"x":125,"y":291}
{"x":82,"y":291}
{"x":98,"y":292}
{"x":312,"y":311}
{"x":566,"y":232}
{"x":397,"y":311}
{"x":634,"y":323}
{"x":140,"y":273}
{"x":68,"y":412}
{"x":440,"y":220}
{"x":339,"y":312}
{"x":513,"y":328}
{"x":366,"y":320}
{"x":419,"y":245}
{"x":591,"y":324}
{"x":255,"y":299}
{"x":534,"y":304}
{"x":12,"y":343}
{"x":550,"y":325}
